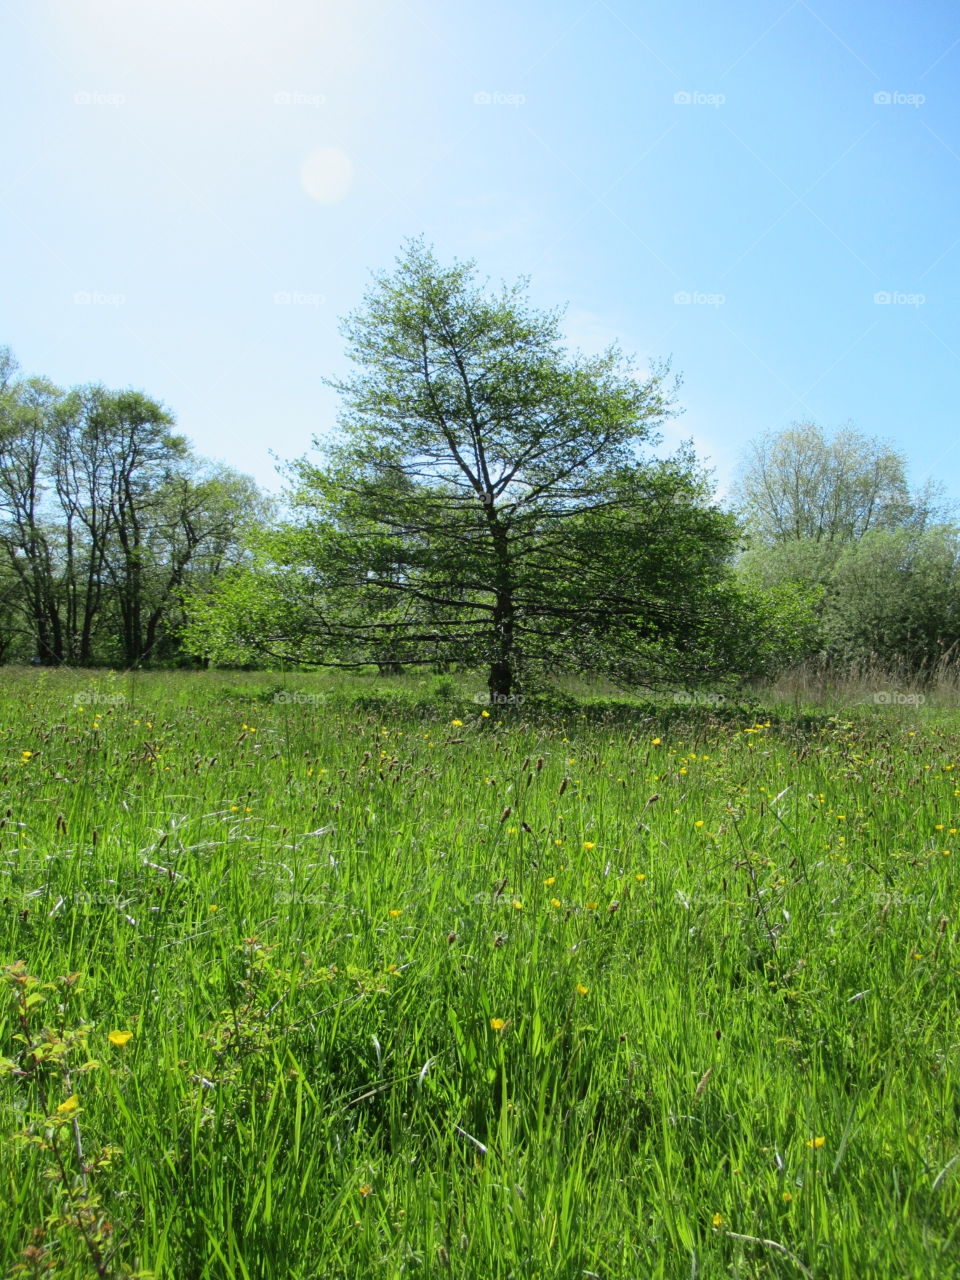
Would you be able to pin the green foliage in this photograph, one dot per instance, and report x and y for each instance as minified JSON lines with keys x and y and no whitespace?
{"x":801,"y":485}
{"x":486,"y":505}
{"x":890,"y":598}
{"x":895,"y":596}
{"x":106,"y":517}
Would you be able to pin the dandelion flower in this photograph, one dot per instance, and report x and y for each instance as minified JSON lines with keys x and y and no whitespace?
{"x":517,"y":904}
{"x":816,"y":1142}
{"x":485,"y":715}
{"x":25,"y":755}
{"x":589,"y":844}
{"x":640,"y":877}
{"x":457,"y":724}
{"x":550,"y":880}
{"x":71,"y":1104}
{"x":119,"y":1038}
{"x":555,"y":902}
{"x":498,"y":1023}
{"x":717,"y":1219}
{"x":365,"y":1190}
{"x":656,"y":742}
{"x":394,"y":913}
{"x":581,"y":989}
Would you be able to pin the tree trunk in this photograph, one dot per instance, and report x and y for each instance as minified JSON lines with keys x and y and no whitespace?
{"x":501,"y":679}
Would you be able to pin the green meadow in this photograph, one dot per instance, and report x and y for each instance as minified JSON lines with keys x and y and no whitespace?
{"x":315,"y":981}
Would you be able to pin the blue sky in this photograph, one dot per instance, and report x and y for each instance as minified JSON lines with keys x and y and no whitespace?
{"x":193,"y":191}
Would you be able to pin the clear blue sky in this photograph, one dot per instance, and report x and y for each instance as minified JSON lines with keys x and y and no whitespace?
{"x":193,"y":191}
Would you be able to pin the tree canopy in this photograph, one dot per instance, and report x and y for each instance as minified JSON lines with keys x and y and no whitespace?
{"x":802,"y":484}
{"x":106,"y":517}
{"x":487,"y":502}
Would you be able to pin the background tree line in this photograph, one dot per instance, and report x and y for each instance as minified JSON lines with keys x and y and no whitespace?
{"x":492,"y":500}
{"x":106,"y":519}
{"x":834,"y":516}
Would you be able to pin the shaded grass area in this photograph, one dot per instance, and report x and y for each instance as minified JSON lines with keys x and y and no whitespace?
{"x":574,"y":988}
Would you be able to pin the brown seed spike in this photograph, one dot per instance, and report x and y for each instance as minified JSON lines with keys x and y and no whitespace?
{"x":563,"y":785}
{"x":506,"y":814}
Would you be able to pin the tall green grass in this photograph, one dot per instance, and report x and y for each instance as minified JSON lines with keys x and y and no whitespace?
{"x":603,"y":991}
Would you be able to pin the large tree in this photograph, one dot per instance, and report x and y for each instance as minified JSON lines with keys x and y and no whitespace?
{"x":835,"y":517}
{"x":106,"y":518}
{"x":802,"y":484}
{"x":486,"y":502}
